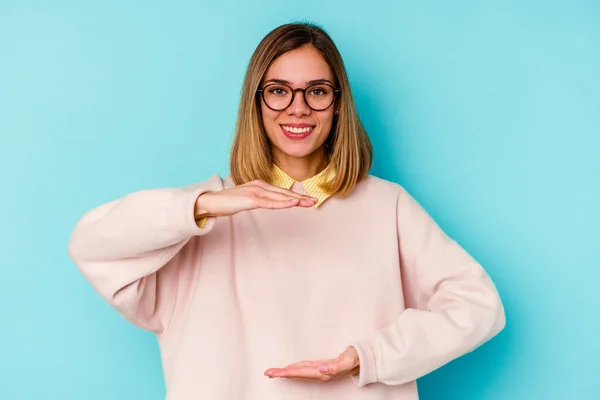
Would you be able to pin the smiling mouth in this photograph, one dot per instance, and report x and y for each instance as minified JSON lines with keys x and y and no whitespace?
{"x":295,"y":132}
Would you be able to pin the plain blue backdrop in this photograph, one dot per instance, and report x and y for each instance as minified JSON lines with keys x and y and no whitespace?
{"x":487,"y":112}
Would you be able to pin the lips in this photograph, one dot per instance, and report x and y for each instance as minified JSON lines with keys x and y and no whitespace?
{"x":297,"y":131}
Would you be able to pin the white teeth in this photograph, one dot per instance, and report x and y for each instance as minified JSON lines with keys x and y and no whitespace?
{"x":296,"y":130}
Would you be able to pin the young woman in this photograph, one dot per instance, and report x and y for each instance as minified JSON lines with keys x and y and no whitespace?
{"x":299,"y":265}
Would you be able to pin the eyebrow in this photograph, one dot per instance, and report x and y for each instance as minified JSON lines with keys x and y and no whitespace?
{"x":309,"y":83}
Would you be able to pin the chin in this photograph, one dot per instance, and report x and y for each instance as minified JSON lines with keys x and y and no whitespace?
{"x":296,"y":151}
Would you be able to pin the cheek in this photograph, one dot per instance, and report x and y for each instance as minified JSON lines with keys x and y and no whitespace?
{"x":326,"y":121}
{"x":268,"y":118}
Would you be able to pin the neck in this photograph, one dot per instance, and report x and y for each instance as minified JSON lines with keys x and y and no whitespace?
{"x":302,"y":168}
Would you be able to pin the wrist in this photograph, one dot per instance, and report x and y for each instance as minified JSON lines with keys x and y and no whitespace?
{"x":200,"y":210}
{"x":355,"y":361}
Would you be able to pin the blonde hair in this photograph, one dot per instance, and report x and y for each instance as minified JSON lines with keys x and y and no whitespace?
{"x":349,"y":148}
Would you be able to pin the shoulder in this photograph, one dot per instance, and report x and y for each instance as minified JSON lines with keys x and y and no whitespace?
{"x":214,"y":182}
{"x":379,"y":188}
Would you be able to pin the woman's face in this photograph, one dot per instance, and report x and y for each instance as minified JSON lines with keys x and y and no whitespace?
{"x":298,"y":131}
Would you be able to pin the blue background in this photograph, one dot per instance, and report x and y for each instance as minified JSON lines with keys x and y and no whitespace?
{"x":487,"y":112}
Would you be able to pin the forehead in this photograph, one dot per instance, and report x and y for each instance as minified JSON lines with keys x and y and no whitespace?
{"x":300,"y":66}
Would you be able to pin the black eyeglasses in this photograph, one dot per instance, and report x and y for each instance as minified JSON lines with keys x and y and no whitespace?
{"x":318,"y":97}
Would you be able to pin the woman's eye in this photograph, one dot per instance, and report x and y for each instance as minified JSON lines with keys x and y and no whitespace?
{"x":278,"y":91}
{"x":318,"y":92}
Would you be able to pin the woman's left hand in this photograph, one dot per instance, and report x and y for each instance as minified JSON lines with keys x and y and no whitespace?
{"x":344,"y":365}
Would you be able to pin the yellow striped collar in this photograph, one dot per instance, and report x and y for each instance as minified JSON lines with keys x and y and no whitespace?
{"x":312,"y":186}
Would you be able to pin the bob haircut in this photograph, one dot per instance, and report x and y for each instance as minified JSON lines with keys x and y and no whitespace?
{"x":349,"y":148}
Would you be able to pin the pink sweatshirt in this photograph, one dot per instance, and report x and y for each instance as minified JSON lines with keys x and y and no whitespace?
{"x":266,"y":288}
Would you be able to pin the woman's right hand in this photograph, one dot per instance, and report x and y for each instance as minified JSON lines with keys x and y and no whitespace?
{"x":249,"y":196}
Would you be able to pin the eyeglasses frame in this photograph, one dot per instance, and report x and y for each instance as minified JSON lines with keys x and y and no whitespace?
{"x":261,"y":90}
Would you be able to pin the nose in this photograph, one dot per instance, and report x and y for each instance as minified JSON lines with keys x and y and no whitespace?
{"x":298,"y":107}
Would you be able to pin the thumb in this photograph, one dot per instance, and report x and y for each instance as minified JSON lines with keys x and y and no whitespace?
{"x":338,"y":365}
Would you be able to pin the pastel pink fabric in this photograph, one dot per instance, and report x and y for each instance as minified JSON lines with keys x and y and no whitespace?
{"x":267,"y":288}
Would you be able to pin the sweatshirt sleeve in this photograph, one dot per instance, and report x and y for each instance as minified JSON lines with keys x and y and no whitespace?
{"x":452,"y":306}
{"x":130,"y":250}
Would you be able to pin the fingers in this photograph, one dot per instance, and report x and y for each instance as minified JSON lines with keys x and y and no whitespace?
{"x":273,"y":188}
{"x":307,"y":203}
{"x":272,"y":195}
{"x":321,"y":371}
{"x":304,"y":364}
{"x":276,"y":200}
{"x":304,"y":372}
{"x":298,"y":364}
{"x":276,"y":204}
{"x":345,"y":364}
